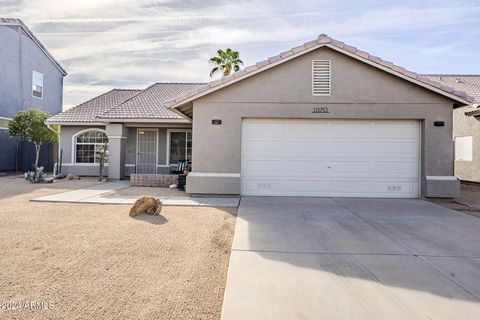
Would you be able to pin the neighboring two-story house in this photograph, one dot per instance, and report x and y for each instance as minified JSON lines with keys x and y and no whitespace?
{"x":29,"y":78}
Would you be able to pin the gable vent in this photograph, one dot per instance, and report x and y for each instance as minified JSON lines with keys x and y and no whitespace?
{"x":321,"y":77}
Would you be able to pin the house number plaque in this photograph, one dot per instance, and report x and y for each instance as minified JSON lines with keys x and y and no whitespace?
{"x":320,"y":110}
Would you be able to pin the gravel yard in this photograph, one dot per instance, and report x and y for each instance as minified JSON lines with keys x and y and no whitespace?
{"x":95,"y":262}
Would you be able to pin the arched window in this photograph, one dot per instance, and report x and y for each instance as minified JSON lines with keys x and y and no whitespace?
{"x":89,"y":145}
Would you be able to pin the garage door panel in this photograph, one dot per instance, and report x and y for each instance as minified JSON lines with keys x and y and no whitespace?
{"x":340,"y":168}
{"x":264,"y":186}
{"x":396,"y":129}
{"x":348,"y":129}
{"x":306,"y":129}
{"x":348,"y":158}
{"x":263,"y":166}
{"x":349,"y":186}
{"x":399,"y":188}
{"x":348,"y":146}
{"x":266,"y":128}
{"x":264,"y":146}
{"x":305,"y":167}
{"x":304,"y":148}
{"x":383,"y":148}
{"x":395,"y":168}
{"x":315,"y":187}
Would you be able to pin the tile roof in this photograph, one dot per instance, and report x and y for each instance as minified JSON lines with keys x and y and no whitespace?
{"x":87,"y":111}
{"x":470,"y":83}
{"x":150,"y":103}
{"x":29,"y":33}
{"x":322,"y":40}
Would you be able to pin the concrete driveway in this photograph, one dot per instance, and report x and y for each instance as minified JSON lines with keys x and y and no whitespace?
{"x":344,"y":258}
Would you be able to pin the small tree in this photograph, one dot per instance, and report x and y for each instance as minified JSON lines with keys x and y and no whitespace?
{"x":30,"y":125}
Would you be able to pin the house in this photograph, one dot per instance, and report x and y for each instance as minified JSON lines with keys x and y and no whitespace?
{"x":30,"y":77}
{"x":147,"y":136}
{"x":321,"y":119}
{"x":466,"y":126}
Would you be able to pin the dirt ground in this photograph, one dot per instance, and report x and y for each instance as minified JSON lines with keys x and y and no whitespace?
{"x":468,"y":202}
{"x":69,"y":261}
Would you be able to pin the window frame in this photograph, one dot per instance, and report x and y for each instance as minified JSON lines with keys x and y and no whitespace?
{"x":169,"y":131}
{"x":329,"y":78}
{"x":469,"y":151}
{"x":42,"y":86}
{"x":74,"y":147}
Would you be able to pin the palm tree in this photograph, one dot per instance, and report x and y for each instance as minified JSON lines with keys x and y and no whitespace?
{"x":225,"y":61}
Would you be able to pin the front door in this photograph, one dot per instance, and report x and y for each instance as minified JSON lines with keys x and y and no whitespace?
{"x":146,"y":151}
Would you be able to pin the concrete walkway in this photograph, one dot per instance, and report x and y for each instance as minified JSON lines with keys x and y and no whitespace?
{"x":321,"y":258}
{"x":100,"y":194}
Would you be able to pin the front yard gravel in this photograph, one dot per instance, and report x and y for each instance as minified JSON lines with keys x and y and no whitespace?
{"x":96,"y":262}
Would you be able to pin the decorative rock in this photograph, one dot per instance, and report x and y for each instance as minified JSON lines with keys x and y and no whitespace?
{"x":145,"y":204}
{"x":72,"y":176}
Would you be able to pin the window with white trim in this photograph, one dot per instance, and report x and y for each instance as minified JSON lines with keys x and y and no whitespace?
{"x":464,"y":148}
{"x":37,"y":84}
{"x":321,"y":76}
{"x":89,"y":146}
{"x":180,"y":146}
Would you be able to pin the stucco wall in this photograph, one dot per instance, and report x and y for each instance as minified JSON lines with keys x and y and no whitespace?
{"x":467,"y":126}
{"x":359,"y":91}
{"x":68,"y":132}
{"x":19,"y":56}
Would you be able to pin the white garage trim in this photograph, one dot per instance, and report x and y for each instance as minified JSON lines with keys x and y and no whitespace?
{"x":331,"y":158}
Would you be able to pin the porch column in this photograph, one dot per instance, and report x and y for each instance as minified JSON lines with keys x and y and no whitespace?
{"x":117,"y":135}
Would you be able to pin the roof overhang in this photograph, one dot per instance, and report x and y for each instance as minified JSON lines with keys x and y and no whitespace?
{"x":183,"y":104}
{"x":183,"y":120}
{"x":72,"y":123}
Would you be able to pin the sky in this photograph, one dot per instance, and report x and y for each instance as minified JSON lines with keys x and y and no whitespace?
{"x":105,"y":44}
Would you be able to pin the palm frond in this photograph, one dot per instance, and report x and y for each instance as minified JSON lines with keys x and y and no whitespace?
{"x":214,"y":71}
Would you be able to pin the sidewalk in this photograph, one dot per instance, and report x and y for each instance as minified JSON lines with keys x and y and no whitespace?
{"x":98,"y":195}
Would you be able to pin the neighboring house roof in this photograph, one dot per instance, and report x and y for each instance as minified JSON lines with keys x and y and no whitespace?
{"x":150,"y":103}
{"x":470,"y":83}
{"x":27,"y":32}
{"x":89,"y":110}
{"x":323,"y":40}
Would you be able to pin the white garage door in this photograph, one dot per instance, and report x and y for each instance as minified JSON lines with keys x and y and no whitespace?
{"x":332,"y":158}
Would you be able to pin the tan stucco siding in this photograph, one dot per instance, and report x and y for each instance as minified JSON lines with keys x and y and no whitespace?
{"x":359,"y":91}
{"x":467,"y":126}
{"x":352,"y":81}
